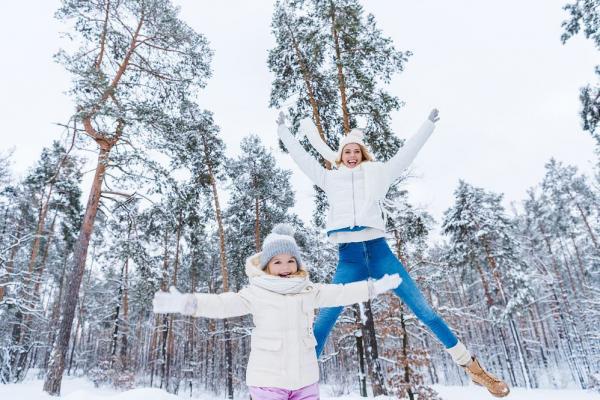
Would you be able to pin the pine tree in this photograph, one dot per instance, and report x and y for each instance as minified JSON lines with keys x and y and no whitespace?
{"x":574,"y":196}
{"x":584,"y":15}
{"x":48,"y":200}
{"x":194,"y":143}
{"x":260,"y":197}
{"x":5,"y":174}
{"x":546,"y":230}
{"x":133,"y":58}
{"x":482,"y":235}
{"x":570,"y":213}
{"x":332,"y":58}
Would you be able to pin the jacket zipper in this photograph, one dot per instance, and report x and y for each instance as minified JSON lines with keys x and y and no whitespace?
{"x":353,"y":202}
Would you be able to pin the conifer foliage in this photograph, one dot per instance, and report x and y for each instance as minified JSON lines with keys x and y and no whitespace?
{"x":584,"y":18}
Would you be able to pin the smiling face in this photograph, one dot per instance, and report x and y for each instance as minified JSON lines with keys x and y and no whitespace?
{"x":282,"y":265}
{"x":352,"y":155}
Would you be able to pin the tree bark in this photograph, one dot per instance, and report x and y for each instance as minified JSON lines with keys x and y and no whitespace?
{"x":171,"y":333}
{"x":256,"y":219}
{"x":308,"y":82}
{"x":362,"y":376}
{"x":407,"y":375}
{"x":340,"y":71}
{"x":10,"y":264}
{"x":53,"y":380}
{"x":372,"y":355}
{"x":224,"y":270}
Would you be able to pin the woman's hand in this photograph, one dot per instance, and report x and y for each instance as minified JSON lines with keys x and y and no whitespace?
{"x":281,"y":118}
{"x":434,"y":115}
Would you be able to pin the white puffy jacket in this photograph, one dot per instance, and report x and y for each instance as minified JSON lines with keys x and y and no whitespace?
{"x":282,"y":350}
{"x":353,"y":193}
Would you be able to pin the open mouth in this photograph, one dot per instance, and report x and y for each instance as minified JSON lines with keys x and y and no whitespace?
{"x":352,"y":163}
{"x":285,"y":275}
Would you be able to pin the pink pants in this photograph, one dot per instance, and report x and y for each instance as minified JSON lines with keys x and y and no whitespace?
{"x":310,"y":392}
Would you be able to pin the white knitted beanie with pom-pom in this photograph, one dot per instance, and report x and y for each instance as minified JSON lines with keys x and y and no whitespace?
{"x":280,"y":241}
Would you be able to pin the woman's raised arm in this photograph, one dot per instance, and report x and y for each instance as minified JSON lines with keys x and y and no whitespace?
{"x":306,"y":162}
{"x":412,"y":146}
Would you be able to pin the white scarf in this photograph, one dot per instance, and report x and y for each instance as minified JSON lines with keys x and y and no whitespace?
{"x":272,"y":283}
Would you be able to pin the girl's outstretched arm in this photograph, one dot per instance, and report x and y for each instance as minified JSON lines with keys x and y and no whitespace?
{"x":356,"y":292}
{"x":223,"y":305}
{"x":209,"y":305}
{"x":306,"y":163}
{"x":412,"y":146}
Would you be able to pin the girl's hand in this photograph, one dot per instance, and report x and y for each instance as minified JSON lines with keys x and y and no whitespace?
{"x":281,"y":118}
{"x":434,"y":115}
{"x":170,"y":302}
{"x":387,"y":282}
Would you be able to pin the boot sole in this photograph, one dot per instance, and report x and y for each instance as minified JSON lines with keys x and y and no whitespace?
{"x":494,"y":394}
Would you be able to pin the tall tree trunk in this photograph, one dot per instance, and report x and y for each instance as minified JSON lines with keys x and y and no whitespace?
{"x":340,"y":71}
{"x":362,"y":376}
{"x":308,"y":82}
{"x":162,"y":328}
{"x":10,"y":264}
{"x":565,"y":314}
{"x":585,"y":221}
{"x":224,"y":270}
{"x":80,"y":319}
{"x":31,"y":299}
{"x":582,"y":274}
{"x":407,"y":375}
{"x":114,"y":342}
{"x":523,"y":363}
{"x":507,"y":358}
{"x":53,"y":380}
{"x":125,"y":320}
{"x":153,"y":348}
{"x":256,"y":222}
{"x":45,"y":205}
{"x":372,"y":354}
{"x":39,"y":233}
{"x":40,"y":269}
{"x":56,"y":311}
{"x":171,"y":332}
{"x":484,"y":282}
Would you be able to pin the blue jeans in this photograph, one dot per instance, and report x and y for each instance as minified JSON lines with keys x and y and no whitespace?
{"x":373,"y":259}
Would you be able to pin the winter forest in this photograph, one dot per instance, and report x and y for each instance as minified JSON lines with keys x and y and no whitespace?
{"x":166,"y":205}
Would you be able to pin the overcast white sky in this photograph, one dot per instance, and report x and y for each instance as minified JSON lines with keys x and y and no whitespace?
{"x":506,"y":87}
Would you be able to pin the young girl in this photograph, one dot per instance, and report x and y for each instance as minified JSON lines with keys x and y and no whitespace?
{"x":356,"y":224}
{"x":281,"y":299}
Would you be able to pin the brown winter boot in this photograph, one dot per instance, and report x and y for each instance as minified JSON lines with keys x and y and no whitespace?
{"x":480,"y":376}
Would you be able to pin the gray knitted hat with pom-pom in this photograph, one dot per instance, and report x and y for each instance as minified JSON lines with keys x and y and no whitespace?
{"x":279,"y":241}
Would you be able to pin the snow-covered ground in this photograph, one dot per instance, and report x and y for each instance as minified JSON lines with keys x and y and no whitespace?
{"x":83,"y":389}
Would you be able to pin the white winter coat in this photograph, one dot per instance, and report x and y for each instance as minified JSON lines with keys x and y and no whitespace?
{"x":282,"y":350}
{"x":354,"y":193}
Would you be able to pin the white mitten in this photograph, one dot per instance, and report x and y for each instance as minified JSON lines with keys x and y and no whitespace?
{"x":434,"y":115}
{"x":281,"y":118}
{"x":172,"y":302}
{"x":387,"y":282}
